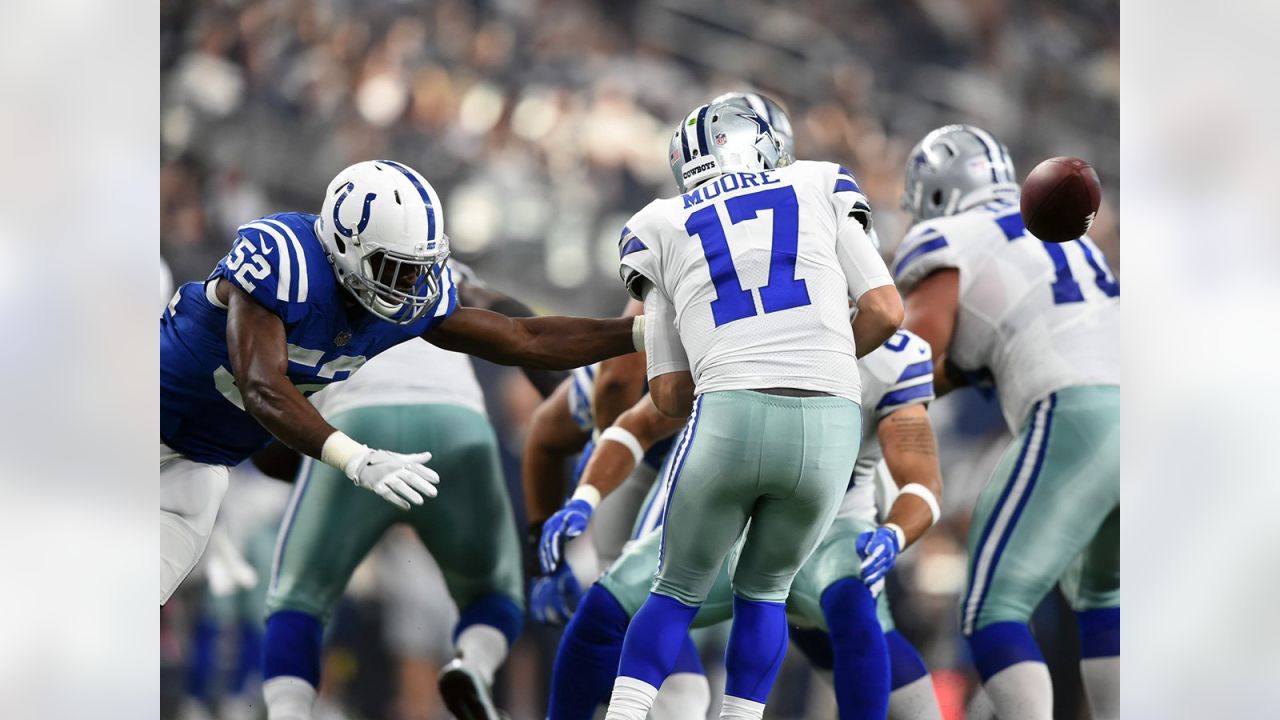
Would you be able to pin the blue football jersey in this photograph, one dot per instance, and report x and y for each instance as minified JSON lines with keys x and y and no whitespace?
{"x":279,"y":261}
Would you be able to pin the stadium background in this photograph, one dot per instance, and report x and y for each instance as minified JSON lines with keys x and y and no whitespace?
{"x":544,"y":125}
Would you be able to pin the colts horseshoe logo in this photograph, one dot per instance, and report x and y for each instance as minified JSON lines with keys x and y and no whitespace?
{"x":364,"y":215}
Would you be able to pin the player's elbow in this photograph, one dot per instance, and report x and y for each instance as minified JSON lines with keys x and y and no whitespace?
{"x":672,"y":393}
{"x":259,"y":394}
{"x":884,"y":306}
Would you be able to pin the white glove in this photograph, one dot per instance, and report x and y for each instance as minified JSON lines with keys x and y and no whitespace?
{"x":228,"y":571}
{"x":398,"y":479}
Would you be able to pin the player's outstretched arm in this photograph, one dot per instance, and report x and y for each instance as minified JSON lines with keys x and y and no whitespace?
{"x":552,"y":342}
{"x":619,"y":450}
{"x":879,"y":317}
{"x":619,"y":381}
{"x":911,"y":453}
{"x":259,"y":362}
{"x":472,"y":294}
{"x":931,"y":308}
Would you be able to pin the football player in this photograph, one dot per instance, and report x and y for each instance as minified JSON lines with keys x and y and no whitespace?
{"x":1042,"y":321}
{"x":832,"y":592}
{"x":773,"y":386}
{"x":302,"y":301}
{"x":331,"y":525}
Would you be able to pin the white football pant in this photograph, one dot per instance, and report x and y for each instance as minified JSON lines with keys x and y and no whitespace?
{"x":190,"y":493}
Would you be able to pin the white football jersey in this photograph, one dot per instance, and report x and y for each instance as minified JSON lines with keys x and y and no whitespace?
{"x":895,"y":375}
{"x":1037,"y":316}
{"x":750,"y":263}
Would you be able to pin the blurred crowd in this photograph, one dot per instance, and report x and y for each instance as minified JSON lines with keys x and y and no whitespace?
{"x":544,"y":124}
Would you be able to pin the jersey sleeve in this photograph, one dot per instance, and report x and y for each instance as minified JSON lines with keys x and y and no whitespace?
{"x":267,"y":262}
{"x":847,"y":198}
{"x":904,"y":366}
{"x":922,"y":252}
{"x":637,"y":256}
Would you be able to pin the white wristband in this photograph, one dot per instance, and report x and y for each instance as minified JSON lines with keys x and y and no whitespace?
{"x":926,"y":495}
{"x":902,"y":536}
{"x":637,"y":333}
{"x":624,"y":437}
{"x":339,"y":451}
{"x":587,"y":493}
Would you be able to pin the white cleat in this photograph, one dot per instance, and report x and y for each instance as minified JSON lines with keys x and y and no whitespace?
{"x":466,"y":694}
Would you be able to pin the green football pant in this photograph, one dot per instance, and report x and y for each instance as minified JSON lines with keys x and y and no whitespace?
{"x":782,"y":463}
{"x":469,"y":528}
{"x":1053,"y":501}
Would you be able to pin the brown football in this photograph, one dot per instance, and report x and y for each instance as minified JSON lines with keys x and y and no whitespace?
{"x":1060,"y":199}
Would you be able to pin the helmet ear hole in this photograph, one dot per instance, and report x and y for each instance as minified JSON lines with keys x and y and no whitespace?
{"x":342,"y":246}
{"x":937,"y":197}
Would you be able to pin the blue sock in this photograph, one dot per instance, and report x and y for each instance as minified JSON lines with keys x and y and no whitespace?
{"x":816,"y":645}
{"x":587,"y":661}
{"x":861,"y":671}
{"x":905,"y":664}
{"x":248,"y":660}
{"x":999,"y":645}
{"x":653,"y":641}
{"x":204,"y":648}
{"x":495,"y":610}
{"x":757,"y":644}
{"x":689,"y":661}
{"x":292,"y":646}
{"x":1099,"y":632}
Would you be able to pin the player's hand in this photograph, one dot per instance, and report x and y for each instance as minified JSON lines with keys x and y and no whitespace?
{"x":569,"y":522}
{"x":402,"y":480}
{"x":878,"y":549}
{"x":554,"y":598}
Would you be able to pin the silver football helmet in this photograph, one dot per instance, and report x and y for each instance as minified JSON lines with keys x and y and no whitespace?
{"x":721,"y":137}
{"x":382,"y":227}
{"x":773,"y":114}
{"x":954,"y":168}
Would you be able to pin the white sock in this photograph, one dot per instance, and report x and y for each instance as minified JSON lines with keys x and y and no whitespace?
{"x":631,"y":699}
{"x":915,"y":701}
{"x":1022,"y":691}
{"x":483,"y":649}
{"x":683,"y":696}
{"x":736,"y":708}
{"x":1101,"y":677}
{"x":288,"y":698}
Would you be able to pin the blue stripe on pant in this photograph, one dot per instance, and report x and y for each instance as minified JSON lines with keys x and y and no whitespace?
{"x":1004,"y":518}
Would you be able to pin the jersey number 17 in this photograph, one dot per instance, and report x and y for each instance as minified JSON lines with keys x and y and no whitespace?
{"x":783,"y":291}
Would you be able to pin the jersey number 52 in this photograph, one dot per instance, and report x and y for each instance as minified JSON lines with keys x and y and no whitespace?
{"x":783,"y":291}
{"x":257,"y":267}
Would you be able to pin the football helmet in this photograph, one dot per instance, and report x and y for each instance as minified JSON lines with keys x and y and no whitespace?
{"x":382,"y":227}
{"x":721,"y":137}
{"x":954,"y":168}
{"x":773,"y":113}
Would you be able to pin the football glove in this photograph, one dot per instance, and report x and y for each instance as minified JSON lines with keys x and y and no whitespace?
{"x":569,"y":522}
{"x":398,"y":478}
{"x":554,"y":598}
{"x":878,"y":549}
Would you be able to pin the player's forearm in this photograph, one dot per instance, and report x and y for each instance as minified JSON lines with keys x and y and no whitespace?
{"x":563,"y":343}
{"x":619,"y":384}
{"x":545,"y":381}
{"x":621,"y":447}
{"x":553,"y":437}
{"x":285,"y":413}
{"x":911,"y":452}
{"x":879,"y":317}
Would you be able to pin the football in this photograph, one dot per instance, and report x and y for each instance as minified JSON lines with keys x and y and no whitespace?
{"x":1060,"y":199}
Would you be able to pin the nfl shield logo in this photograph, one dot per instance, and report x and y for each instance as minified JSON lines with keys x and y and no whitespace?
{"x":342,"y":338}
{"x":721,"y":139}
